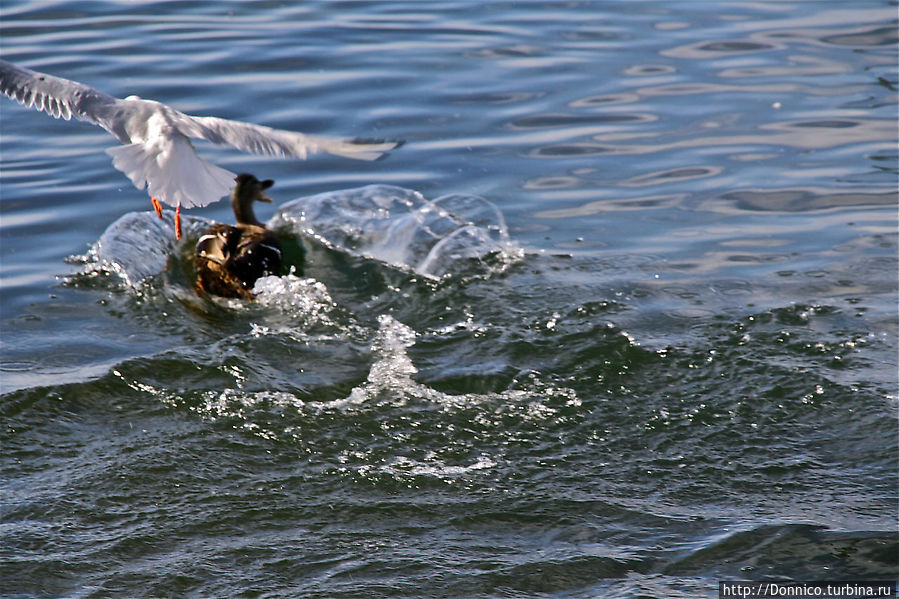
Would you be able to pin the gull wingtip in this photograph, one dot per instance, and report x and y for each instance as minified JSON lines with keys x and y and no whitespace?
{"x":376,"y":149}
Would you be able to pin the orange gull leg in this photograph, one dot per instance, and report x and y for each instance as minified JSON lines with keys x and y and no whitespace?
{"x":178,"y":221}
{"x":157,"y":207}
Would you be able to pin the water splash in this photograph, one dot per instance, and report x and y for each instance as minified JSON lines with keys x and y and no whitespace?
{"x":139,"y":246}
{"x":304,"y":299}
{"x":391,"y":373}
{"x":403,"y":228}
{"x":451,"y":234}
{"x":136,"y":247}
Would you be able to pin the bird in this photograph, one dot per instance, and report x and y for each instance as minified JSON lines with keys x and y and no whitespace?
{"x":230,"y":258}
{"x":157,"y":152}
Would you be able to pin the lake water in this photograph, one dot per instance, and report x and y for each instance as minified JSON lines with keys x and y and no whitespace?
{"x":662,"y":353}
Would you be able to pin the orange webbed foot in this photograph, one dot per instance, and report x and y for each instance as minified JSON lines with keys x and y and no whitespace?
{"x":157,"y":207}
{"x":178,"y":222}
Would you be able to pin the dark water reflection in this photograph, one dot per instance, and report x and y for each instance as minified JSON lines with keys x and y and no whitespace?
{"x":688,"y":373}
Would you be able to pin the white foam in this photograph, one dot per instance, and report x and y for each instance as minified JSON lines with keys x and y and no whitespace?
{"x":405,"y":466}
{"x":392,"y":370}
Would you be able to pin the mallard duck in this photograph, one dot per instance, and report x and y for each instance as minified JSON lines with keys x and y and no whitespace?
{"x":157,"y":152}
{"x":230,"y":258}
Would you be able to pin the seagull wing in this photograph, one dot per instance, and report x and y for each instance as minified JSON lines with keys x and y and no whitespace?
{"x":259,"y":139}
{"x":56,"y":96}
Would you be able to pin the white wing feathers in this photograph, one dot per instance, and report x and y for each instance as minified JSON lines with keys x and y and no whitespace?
{"x":157,"y":153}
{"x":57,"y":97}
{"x":258,"y":139}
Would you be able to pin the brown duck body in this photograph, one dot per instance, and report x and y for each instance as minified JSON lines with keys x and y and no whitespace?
{"x":230,"y":258}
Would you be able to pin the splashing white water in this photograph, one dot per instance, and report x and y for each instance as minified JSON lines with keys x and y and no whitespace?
{"x":397,"y":226}
{"x":391,"y":372}
{"x":403,"y":228}
{"x":303,"y":298}
{"x":136,"y":246}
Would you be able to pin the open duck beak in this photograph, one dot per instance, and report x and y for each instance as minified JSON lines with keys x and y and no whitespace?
{"x":265,"y":184}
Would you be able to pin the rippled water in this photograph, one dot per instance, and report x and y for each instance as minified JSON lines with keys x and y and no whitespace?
{"x":618,"y":320}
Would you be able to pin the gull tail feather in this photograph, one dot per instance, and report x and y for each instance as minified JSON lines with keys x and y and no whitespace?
{"x":172,"y":172}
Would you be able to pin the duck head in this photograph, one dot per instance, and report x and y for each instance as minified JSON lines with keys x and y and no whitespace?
{"x":248,"y":189}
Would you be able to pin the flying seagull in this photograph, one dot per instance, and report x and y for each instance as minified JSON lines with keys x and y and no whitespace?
{"x":157,"y":152}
